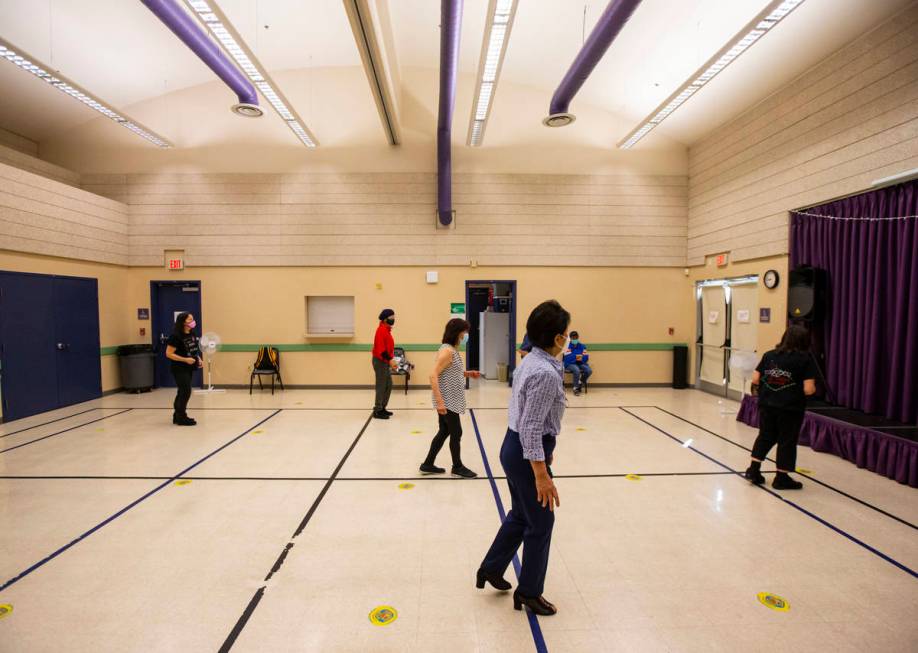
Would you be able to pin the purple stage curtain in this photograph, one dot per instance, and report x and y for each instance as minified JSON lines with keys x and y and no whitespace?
{"x":871,"y":325}
{"x":885,"y":454}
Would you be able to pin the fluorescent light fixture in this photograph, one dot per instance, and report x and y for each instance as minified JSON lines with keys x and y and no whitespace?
{"x":493,"y":48}
{"x":216,"y":22}
{"x":29,"y":64}
{"x":742,"y":41}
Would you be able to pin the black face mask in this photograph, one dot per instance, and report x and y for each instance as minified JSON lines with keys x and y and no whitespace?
{"x":390,"y":321}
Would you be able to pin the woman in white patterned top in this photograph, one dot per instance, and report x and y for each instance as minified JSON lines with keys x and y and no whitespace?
{"x":448,"y":384}
{"x":536,"y":409}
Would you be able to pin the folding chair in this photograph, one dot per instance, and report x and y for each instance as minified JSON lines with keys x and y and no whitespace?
{"x":267,"y":364}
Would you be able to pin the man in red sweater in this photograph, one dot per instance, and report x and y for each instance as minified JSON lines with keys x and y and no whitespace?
{"x":383,"y":352}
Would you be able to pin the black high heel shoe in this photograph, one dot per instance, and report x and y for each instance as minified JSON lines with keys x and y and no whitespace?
{"x":497,"y":582}
{"x":537,"y":605}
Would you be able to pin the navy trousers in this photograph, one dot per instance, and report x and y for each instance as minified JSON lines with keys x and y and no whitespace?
{"x":527,"y":523}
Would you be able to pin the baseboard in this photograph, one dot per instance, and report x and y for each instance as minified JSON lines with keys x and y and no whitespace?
{"x":113,"y":391}
{"x":395,"y":388}
{"x":624,"y":385}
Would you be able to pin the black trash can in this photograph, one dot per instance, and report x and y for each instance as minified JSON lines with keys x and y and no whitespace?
{"x":680,"y":367}
{"x":137,"y":371}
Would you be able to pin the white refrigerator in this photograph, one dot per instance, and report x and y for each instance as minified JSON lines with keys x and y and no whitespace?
{"x":493,"y":342}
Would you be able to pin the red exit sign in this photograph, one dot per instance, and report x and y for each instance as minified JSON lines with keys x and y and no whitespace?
{"x":721,"y":260}
{"x":176,"y":264}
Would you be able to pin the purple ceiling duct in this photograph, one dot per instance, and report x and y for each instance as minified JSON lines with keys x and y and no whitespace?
{"x":450,"y":24}
{"x":185,"y":27}
{"x":611,"y":22}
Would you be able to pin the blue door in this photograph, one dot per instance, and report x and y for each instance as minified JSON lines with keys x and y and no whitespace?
{"x":28,"y":354}
{"x":76,"y":308}
{"x":167,"y":299}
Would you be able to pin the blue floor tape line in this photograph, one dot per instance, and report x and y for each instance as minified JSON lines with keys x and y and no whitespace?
{"x":146,"y":496}
{"x":806,"y":512}
{"x":537,"y":636}
{"x":72,"y":428}
{"x":52,"y":421}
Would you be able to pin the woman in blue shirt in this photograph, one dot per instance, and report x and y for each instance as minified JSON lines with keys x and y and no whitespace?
{"x":536,"y":409}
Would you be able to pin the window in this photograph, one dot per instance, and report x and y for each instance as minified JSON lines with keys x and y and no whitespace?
{"x":329,"y":316}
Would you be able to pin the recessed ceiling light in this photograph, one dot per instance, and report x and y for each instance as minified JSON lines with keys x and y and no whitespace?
{"x":29,"y":64}
{"x":742,"y":41}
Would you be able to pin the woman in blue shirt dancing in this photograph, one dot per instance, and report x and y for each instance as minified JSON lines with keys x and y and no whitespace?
{"x":536,"y":409}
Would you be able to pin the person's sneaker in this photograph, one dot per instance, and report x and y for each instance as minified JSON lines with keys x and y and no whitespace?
{"x":380,"y":415}
{"x":387,"y":413}
{"x":576,"y":392}
{"x":754,"y":476}
{"x":431,"y":469}
{"x":185,"y":421}
{"x":784,"y":482}
{"x":463,"y":471}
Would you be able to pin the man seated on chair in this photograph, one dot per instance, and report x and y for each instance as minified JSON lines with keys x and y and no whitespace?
{"x":575,"y":362}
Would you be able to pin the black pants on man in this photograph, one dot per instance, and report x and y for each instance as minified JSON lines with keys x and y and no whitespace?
{"x":182,"y":374}
{"x":782,"y":427}
{"x":383,"y":384}
{"x":450,"y":427}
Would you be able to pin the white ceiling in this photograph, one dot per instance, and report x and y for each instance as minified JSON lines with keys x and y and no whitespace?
{"x":118,"y":50}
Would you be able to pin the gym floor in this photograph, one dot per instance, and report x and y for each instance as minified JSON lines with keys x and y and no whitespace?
{"x":105,"y":546}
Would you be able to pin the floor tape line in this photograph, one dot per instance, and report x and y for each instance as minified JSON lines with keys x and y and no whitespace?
{"x":59,"y":419}
{"x":72,"y":428}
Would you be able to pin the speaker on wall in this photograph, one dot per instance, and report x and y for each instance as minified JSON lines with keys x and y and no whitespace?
{"x":806,"y":293}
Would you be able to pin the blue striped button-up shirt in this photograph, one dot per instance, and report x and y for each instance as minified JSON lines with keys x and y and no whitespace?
{"x":538,"y":401}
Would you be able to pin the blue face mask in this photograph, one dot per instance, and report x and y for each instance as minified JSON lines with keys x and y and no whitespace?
{"x":465,"y":339}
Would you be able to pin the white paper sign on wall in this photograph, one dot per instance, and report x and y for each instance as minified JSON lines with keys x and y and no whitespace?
{"x":743,"y":316}
{"x":712,"y":316}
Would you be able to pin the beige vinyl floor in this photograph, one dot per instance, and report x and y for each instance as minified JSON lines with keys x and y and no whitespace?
{"x":294,"y":527}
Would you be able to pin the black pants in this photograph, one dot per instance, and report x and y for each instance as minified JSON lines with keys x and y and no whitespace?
{"x":383,"y":384}
{"x":527,"y":523}
{"x":782,"y":427}
{"x":450,"y":427}
{"x":182,"y":375}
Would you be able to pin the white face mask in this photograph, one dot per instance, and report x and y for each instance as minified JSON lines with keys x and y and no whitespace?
{"x":567,"y":345}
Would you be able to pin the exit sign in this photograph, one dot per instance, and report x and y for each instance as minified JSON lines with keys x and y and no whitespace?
{"x":721,"y":260}
{"x":176,"y":264}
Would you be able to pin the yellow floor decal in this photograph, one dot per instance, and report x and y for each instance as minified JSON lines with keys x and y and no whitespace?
{"x":258,"y":432}
{"x":633,"y":477}
{"x":406,"y":486}
{"x":383,"y":615}
{"x":773,"y":601}
{"x":5,"y":610}
{"x":184,"y":481}
{"x":807,"y":472}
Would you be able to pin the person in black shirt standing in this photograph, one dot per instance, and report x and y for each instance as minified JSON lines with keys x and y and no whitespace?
{"x":786,"y":376}
{"x":183,"y":350}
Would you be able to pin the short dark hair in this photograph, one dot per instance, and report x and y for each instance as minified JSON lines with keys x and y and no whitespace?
{"x":796,"y":338}
{"x":547,"y":320}
{"x":453,"y":328}
{"x":179,"y":328}
{"x":574,"y":334}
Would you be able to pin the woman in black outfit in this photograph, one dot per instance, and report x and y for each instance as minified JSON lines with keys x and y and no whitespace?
{"x":183,"y":350}
{"x":785,"y":377}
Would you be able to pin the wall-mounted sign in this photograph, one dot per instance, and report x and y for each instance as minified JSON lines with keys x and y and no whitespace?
{"x":176,"y":264}
{"x":143,"y":313}
{"x":457,"y":310}
{"x":712,"y":316}
{"x":721,"y":260}
{"x":765,"y":314}
{"x":742,"y":316}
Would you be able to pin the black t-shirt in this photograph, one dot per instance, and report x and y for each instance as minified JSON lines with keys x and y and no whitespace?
{"x":186,"y":346}
{"x":782,"y":377}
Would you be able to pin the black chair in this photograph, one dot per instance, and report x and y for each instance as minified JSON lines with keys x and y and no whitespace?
{"x":404,"y":368}
{"x":583,"y":384}
{"x":267,"y":364}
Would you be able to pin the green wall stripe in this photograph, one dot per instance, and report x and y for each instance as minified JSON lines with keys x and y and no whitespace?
{"x":360,"y":347}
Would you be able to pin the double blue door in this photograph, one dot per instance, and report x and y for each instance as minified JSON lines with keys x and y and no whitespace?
{"x":49,"y":343}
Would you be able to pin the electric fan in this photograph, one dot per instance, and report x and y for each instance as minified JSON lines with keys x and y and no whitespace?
{"x":210,"y":344}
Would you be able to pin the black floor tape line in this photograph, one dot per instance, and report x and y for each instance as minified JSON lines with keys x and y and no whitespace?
{"x":52,"y":421}
{"x":72,"y":428}
{"x":250,"y":608}
{"x":866,"y":504}
{"x":115,"y":516}
{"x":341,"y":478}
{"x":861,"y":543}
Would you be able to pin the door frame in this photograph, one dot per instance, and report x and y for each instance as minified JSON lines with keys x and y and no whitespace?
{"x":511,"y":366}
{"x":155,"y":285}
{"x":727,"y":283}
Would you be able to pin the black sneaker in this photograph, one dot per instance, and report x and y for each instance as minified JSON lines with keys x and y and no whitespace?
{"x":380,"y":415}
{"x":431,"y":469}
{"x":184,"y":421}
{"x":389,"y":413}
{"x":576,"y":392}
{"x":463,"y":471}
{"x":784,"y":482}
{"x":754,"y":476}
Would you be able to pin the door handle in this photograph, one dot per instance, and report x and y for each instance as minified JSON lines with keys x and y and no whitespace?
{"x":61,"y":346}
